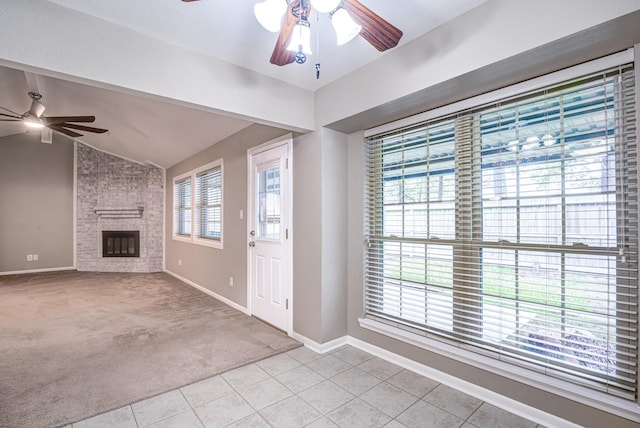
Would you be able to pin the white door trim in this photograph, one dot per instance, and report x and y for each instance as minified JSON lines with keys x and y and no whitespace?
{"x":287,"y":140}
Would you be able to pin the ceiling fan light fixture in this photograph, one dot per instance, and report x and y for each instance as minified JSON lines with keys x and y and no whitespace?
{"x":37,"y":108}
{"x":269,"y":14}
{"x":34,"y":123}
{"x":345,"y":27}
{"x":325,"y":6}
{"x":301,"y":38}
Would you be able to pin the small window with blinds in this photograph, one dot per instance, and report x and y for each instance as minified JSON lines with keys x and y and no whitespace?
{"x":209,"y":203}
{"x":198,"y":205}
{"x":182,"y":199}
{"x":511,"y":229}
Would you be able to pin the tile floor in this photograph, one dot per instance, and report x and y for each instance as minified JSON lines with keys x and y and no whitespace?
{"x":347,"y":388}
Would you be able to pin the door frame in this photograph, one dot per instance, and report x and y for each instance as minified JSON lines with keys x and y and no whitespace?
{"x":287,"y":140}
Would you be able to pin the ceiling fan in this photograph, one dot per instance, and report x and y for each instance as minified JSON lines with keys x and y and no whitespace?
{"x":34,"y":118}
{"x":348,"y":17}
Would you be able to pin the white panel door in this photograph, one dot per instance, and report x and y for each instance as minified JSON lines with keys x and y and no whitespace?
{"x":268,"y":234}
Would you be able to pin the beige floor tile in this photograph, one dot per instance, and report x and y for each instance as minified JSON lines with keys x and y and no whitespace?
{"x":159,"y":407}
{"x":453,"y":401}
{"x":278,"y":364}
{"x":358,"y":414}
{"x":254,"y":420}
{"x":119,"y":418}
{"x":224,"y":411}
{"x":326,"y":396}
{"x":265,"y":393}
{"x":245,"y":376}
{"x":380,"y":368}
{"x":328,"y":366}
{"x":290,"y":413}
{"x":355,"y":381}
{"x":413,"y":383}
{"x":389,"y":399}
{"x":299,"y":378}
{"x":488,"y":416}
{"x":207,"y":390}
{"x":423,"y":414}
{"x":186,"y":419}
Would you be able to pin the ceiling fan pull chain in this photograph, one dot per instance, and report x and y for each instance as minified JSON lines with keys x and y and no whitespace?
{"x":317,"y":46}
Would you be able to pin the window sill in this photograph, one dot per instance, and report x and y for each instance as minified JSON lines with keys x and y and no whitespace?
{"x":208,"y":243}
{"x":182,"y":238}
{"x":580,"y":394}
{"x":199,"y":241}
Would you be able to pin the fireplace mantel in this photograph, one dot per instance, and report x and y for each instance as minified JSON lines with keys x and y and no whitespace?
{"x":117,"y":213}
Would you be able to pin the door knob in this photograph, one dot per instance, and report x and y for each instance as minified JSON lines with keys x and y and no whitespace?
{"x":252,"y":244}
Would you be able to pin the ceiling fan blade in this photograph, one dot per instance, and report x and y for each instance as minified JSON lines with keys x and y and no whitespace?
{"x":61,"y":119}
{"x":375,"y":30}
{"x":281,"y":56}
{"x":64,"y":131}
{"x":83,"y":128}
{"x":12,"y":112}
{"x":11,"y":116}
{"x":10,"y":120}
{"x":189,"y":1}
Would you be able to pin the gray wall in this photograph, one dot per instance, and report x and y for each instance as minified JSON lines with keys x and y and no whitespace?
{"x":334,"y":231}
{"x":320,"y":228}
{"x":36,"y":202}
{"x":307,"y":236}
{"x":212,"y":267}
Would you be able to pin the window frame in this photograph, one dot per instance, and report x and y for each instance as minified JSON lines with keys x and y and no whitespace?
{"x":461,"y":352}
{"x":194,"y":237}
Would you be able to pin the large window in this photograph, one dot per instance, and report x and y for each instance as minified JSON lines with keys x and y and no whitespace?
{"x":203,"y":204}
{"x":511,"y":229}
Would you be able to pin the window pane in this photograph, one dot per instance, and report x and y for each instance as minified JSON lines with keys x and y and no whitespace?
{"x":269,"y":205}
{"x":182,"y":206}
{"x":209,"y":204}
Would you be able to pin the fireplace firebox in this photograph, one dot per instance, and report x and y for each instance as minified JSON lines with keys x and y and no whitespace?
{"x":120,"y":243}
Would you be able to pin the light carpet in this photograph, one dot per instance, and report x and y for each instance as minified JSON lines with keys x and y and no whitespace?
{"x":76,"y":344}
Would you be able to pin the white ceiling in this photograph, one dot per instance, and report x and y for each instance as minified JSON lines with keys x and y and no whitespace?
{"x":228,"y":30}
{"x":146,"y":129}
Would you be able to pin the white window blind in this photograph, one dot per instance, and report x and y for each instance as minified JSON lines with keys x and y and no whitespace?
{"x":512,"y":229}
{"x":182,"y":206}
{"x":209,"y":203}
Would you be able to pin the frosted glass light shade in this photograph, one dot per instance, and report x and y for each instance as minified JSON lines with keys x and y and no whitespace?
{"x":269,"y":14}
{"x":301,"y":36}
{"x":34,"y":123}
{"x":324,"y":6}
{"x":345,"y":27}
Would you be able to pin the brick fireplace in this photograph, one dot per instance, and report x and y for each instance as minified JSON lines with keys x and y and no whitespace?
{"x":116,"y":196}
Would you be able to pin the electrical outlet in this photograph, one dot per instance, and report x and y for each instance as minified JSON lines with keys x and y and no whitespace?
{"x":179,"y":262}
{"x":29,"y":258}
{"x":35,"y":257}
{"x":230,"y":281}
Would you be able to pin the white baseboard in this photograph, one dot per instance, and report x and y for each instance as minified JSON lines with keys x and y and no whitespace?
{"x":320,"y":348}
{"x":498,"y":400}
{"x":223,"y":299}
{"x":18,"y":272}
